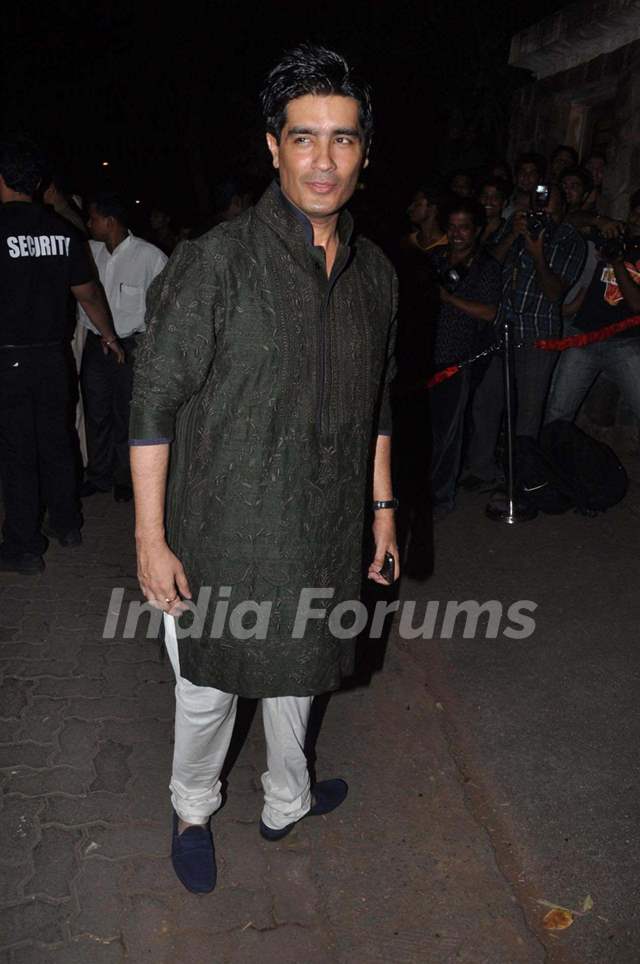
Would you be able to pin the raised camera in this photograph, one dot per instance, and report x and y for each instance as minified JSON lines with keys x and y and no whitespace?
{"x":450,"y":278}
{"x":537,"y":220}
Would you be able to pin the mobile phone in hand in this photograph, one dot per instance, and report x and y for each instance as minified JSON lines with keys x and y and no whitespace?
{"x":388,"y":568}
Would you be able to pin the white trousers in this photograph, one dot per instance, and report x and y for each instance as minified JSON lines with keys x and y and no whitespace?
{"x":203,"y":726}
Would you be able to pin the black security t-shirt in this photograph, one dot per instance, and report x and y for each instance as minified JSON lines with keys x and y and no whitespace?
{"x":41,"y":256}
{"x":604,"y":303}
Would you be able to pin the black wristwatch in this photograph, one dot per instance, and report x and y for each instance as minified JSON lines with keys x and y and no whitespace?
{"x":385,"y":504}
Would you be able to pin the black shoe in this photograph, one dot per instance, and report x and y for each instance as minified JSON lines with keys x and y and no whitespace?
{"x":89,"y":488}
{"x":26,"y":563}
{"x":327,"y":796}
{"x":122,"y":493}
{"x":72,"y":537}
{"x":473,"y":483}
{"x":193,"y":858}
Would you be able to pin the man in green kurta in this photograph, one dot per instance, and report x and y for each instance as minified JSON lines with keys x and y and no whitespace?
{"x":260,"y":427}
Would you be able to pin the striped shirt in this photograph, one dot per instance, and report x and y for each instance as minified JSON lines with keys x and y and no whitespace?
{"x":531,"y":313}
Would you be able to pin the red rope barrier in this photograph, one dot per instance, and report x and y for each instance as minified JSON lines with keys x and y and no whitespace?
{"x":589,"y":337}
{"x":549,"y":344}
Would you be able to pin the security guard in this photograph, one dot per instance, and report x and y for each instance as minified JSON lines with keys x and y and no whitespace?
{"x":42,"y":256}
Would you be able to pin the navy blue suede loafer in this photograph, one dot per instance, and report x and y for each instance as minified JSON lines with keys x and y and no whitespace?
{"x":193,"y":858}
{"x":326,"y":796}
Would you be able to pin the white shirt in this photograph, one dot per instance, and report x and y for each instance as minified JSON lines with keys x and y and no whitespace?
{"x":126,"y":274}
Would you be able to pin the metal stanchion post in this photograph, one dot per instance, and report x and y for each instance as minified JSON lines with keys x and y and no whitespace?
{"x":509,"y":509}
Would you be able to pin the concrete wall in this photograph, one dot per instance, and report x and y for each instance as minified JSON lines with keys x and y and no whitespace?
{"x":557,"y":110}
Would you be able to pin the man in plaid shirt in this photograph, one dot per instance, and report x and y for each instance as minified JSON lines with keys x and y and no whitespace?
{"x":536,"y":276}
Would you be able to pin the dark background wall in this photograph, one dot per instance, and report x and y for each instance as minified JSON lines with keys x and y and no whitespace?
{"x":169,"y":98}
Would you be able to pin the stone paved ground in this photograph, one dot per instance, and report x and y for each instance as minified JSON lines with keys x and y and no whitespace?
{"x":403,"y":872}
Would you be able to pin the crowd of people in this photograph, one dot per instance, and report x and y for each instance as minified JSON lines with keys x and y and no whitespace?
{"x":536,"y":250}
{"x":533,"y":247}
{"x":95,"y":291}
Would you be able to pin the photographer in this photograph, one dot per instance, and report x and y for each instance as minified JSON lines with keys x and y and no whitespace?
{"x":469,"y":288}
{"x":612,"y":295}
{"x":542,"y":258}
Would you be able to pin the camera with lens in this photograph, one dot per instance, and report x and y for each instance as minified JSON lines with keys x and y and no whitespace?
{"x":450,"y":278}
{"x":537,"y":220}
{"x":616,"y":248}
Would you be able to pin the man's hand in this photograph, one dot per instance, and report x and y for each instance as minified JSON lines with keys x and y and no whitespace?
{"x":609,"y":228}
{"x":535,"y":246}
{"x":113,"y":345}
{"x":162,"y":578}
{"x":445,"y":297}
{"x":384,"y":534}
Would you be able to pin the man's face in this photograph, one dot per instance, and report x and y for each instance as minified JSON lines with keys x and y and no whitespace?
{"x":595,"y":167}
{"x":574,"y":191}
{"x":492,"y":201}
{"x":418,"y":210}
{"x":158,"y":219}
{"x":462,"y":232}
{"x":320,"y":153}
{"x":527,"y":176}
{"x":462,"y":186}
{"x":99,"y":225}
{"x":560,"y":163}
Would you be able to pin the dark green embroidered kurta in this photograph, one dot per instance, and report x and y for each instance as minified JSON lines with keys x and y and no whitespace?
{"x":271,"y":380}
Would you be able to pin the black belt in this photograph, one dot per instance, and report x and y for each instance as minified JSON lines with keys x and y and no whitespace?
{"x":34,"y":344}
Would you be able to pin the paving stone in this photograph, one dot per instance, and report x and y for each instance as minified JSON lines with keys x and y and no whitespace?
{"x":112,"y":707}
{"x":111,"y":767}
{"x":62,"y":779}
{"x":239,"y":849}
{"x":157,"y":755}
{"x":286,"y":945}
{"x":150,"y":929}
{"x":149,"y":796}
{"x":78,"y":743}
{"x":117,"y":683}
{"x":148,"y":875}
{"x":19,"y":649}
{"x":79,"y":951}
{"x":54,"y":863}
{"x":130,"y":840}
{"x":64,"y":646}
{"x":19,"y":829}
{"x":71,"y":686}
{"x":154,"y":672}
{"x":24,"y":755}
{"x":14,"y":697}
{"x":29,"y":668}
{"x":41,"y":719}
{"x":295,"y":897}
{"x":90,"y":808}
{"x":8,"y":730}
{"x":131,"y":651}
{"x":90,"y":660}
{"x":32,"y":920}
{"x":148,"y":730}
{"x":35,"y":627}
{"x":102,"y":907}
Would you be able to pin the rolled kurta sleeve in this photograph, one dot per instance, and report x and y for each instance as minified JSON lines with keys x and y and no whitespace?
{"x":177,"y":349}
{"x":384,"y":426}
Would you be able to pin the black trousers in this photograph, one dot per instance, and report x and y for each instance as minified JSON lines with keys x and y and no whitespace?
{"x":449,"y":402}
{"x":38,"y":446}
{"x":106,"y":392}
